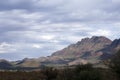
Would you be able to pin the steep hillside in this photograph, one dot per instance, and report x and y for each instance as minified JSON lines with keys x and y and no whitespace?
{"x":85,"y":48}
{"x":111,"y":49}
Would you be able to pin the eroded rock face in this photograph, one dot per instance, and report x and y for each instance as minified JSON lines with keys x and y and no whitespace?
{"x":87,"y":46}
{"x":92,"y":50}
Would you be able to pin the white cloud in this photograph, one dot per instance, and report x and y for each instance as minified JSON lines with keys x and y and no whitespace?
{"x":37,"y":46}
{"x":47,"y":37}
{"x":6,"y":48}
{"x":100,"y":32}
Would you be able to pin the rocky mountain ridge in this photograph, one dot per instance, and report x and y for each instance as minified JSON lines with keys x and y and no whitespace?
{"x":85,"y":46}
{"x":89,"y":50}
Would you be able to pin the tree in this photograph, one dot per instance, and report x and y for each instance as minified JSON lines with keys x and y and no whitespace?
{"x":115,"y":63}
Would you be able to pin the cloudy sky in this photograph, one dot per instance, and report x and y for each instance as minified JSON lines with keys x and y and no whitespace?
{"x":35,"y":28}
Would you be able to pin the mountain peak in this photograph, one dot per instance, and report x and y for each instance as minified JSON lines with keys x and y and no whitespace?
{"x":85,"y":46}
{"x":100,"y":39}
{"x":95,"y":39}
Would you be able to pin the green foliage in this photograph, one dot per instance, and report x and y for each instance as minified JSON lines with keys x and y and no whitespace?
{"x":87,"y":72}
{"x":80,"y":72}
{"x":88,"y":75}
{"x":50,"y":73}
{"x":115,"y":63}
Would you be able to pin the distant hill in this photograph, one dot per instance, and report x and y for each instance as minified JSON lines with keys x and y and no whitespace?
{"x":4,"y":64}
{"x":89,"y":50}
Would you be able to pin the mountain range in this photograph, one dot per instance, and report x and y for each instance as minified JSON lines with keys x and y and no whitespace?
{"x":92,"y":50}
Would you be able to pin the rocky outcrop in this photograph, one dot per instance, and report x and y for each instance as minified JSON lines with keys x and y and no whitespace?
{"x":85,"y":48}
